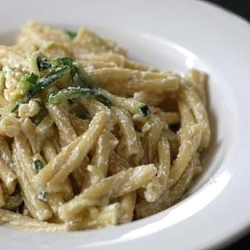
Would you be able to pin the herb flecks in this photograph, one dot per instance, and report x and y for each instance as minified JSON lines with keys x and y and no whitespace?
{"x":71,"y":34}
{"x":38,"y":165}
{"x":42,"y":196}
{"x":43,"y":63}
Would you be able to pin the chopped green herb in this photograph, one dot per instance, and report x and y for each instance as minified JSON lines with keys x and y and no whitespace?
{"x":38,"y":162}
{"x":145,"y":110}
{"x":42,"y":196}
{"x":38,"y":165}
{"x":43,"y":63}
{"x":70,"y":33}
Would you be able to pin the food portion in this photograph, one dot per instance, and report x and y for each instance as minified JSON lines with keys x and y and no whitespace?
{"x":90,"y":138}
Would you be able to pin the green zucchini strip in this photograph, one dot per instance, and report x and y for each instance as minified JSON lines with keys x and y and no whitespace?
{"x":43,"y":82}
{"x":81,"y":86}
{"x":76,"y":92}
{"x":101,"y":95}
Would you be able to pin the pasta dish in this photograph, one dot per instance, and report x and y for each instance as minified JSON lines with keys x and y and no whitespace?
{"x":90,"y":138}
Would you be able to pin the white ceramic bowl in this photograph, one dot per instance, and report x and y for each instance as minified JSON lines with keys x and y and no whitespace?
{"x":175,"y":35}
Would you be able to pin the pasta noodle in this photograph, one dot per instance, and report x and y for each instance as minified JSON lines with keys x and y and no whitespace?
{"x":90,"y":138}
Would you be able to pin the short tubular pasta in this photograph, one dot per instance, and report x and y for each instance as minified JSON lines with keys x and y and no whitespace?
{"x":90,"y":138}
{"x":99,"y":193}
{"x":25,"y":222}
{"x":132,"y":81}
{"x":5,"y":151}
{"x":57,"y":170}
{"x":158,"y":185}
{"x":169,"y":198}
{"x":98,"y":167}
{"x":7,"y":176}
{"x":128,"y":139}
{"x":199,"y":111}
{"x":127,"y":206}
{"x":66,"y":131}
{"x":151,"y":135}
{"x":24,"y":170}
{"x":198,"y":80}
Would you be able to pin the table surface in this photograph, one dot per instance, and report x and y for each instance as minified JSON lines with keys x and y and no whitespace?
{"x":241,"y":8}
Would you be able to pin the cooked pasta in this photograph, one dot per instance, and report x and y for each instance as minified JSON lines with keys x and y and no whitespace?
{"x":90,"y":138}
